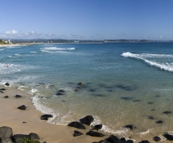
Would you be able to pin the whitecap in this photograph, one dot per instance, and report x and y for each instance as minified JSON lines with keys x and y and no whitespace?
{"x":161,"y":64}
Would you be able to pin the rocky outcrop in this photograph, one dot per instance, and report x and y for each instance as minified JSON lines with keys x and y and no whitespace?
{"x":87,"y":120}
{"x":95,"y":134}
{"x":46,"y":117}
{"x":97,"y":127}
{"x":77,"y":133}
{"x":77,"y":125}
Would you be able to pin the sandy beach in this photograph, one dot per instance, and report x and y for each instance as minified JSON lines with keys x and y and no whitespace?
{"x":14,"y":118}
{"x":27,"y":121}
{"x":14,"y":45}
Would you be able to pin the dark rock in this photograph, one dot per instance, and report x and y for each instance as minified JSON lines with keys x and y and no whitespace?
{"x":5,"y":132}
{"x":60,"y":93}
{"x":77,"y":125}
{"x":167,"y":112}
{"x":95,"y":134}
{"x":92,"y":90}
{"x":126,"y":98}
{"x":6,"y":97}
{"x":102,"y":141}
{"x":150,"y":117}
{"x":156,"y":138}
{"x":22,"y":107}
{"x":136,"y":100}
{"x":46,"y":117}
{"x":19,"y":137}
{"x":98,"y":95}
{"x":157,"y":96}
{"x":45,"y":142}
{"x":3,"y":89}
{"x":131,"y":127}
{"x":144,"y":141}
{"x":159,"y":122}
{"x":6,"y":140}
{"x":97,"y":127}
{"x":150,"y":103}
{"x":77,"y":133}
{"x":34,"y":136}
{"x":24,"y":122}
{"x":123,"y":139}
{"x":113,"y":139}
{"x":169,"y":136}
{"x":152,"y":109}
{"x":7,"y":84}
{"x":125,"y":87}
{"x":78,"y":88}
{"x":80,"y":84}
{"x":87,"y":120}
{"x":18,"y":96}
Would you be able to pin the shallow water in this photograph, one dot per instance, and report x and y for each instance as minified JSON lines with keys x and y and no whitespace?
{"x":123,"y":83}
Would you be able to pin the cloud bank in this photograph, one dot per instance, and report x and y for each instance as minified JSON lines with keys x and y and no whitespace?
{"x":14,"y":34}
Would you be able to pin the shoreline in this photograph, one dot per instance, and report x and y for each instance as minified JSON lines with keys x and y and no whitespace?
{"x":15,"y":118}
{"x":29,"y":121}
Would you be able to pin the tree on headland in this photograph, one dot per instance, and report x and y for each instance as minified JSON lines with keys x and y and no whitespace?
{"x":2,"y":41}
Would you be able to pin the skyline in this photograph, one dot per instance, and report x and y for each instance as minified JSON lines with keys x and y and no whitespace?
{"x":89,"y":19}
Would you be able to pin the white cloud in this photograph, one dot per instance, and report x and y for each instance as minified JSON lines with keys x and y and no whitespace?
{"x":8,"y":32}
{"x":14,"y":32}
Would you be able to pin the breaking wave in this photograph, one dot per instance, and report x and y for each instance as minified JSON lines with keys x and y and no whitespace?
{"x":161,"y":61}
{"x":56,"y":49}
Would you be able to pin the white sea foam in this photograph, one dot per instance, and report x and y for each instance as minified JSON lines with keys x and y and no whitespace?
{"x":56,"y":49}
{"x":151,"y":61}
{"x":1,"y":49}
{"x":17,"y":54}
{"x":12,"y":68}
{"x":33,"y":52}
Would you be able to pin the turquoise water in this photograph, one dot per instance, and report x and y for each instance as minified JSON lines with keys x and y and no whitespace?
{"x":123,"y":83}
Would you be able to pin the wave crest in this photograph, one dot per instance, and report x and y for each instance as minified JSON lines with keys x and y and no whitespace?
{"x":156,"y":60}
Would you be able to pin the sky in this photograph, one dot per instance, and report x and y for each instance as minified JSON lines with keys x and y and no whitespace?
{"x":87,"y":19}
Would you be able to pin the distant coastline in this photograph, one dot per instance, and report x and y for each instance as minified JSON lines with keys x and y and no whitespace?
{"x":16,"y":42}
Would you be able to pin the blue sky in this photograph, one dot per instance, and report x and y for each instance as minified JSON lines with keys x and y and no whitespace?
{"x":87,"y":19}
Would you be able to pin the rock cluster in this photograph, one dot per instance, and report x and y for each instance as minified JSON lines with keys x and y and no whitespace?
{"x":6,"y":136}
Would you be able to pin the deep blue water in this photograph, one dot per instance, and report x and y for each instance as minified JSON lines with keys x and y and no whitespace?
{"x":123,"y":83}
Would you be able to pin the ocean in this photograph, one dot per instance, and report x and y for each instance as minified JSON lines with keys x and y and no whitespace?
{"x":119,"y":83}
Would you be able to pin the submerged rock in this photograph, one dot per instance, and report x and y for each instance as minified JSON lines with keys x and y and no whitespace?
{"x":77,"y":133}
{"x":159,"y":122}
{"x":46,"y":117}
{"x":156,"y":138}
{"x":77,"y":125}
{"x":80,"y":84}
{"x":22,"y":107}
{"x":131,"y":127}
{"x":87,"y":120}
{"x":167,"y":112}
{"x":95,"y":134}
